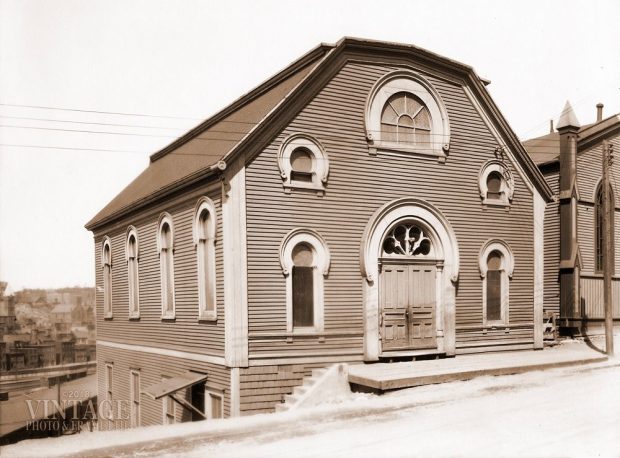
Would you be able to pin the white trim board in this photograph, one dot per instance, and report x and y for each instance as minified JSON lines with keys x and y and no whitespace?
{"x":164,"y":352}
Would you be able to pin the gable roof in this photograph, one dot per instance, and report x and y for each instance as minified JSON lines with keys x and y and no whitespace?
{"x":545,"y":150}
{"x":254,"y":118}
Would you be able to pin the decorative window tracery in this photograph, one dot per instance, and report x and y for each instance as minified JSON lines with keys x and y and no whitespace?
{"x":407,"y":239}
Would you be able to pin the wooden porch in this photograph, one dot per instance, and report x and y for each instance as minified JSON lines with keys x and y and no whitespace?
{"x":379,"y":377}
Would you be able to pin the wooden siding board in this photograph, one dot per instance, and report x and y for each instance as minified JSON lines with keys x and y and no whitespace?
{"x":358,"y":185}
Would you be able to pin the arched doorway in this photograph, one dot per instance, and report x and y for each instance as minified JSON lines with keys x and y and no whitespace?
{"x":410,"y":260}
{"x":408,"y":266}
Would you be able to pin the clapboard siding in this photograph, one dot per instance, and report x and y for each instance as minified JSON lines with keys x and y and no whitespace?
{"x":358,"y":185}
{"x":152,"y":368}
{"x":592,"y":303}
{"x":589,"y":174}
{"x":185,"y":332}
{"x":552,"y":247}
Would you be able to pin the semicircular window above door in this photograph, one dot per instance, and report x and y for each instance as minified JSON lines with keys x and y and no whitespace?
{"x":407,"y":239}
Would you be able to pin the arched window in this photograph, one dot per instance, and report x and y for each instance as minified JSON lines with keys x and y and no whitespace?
{"x":496,"y":269}
{"x":106,"y":265}
{"x":305,"y":260}
{"x":303,"y":163}
{"x":496,"y":184}
{"x":405,"y":114}
{"x":406,"y":120}
{"x":598,"y":229}
{"x":165,"y":241}
{"x":131,"y":253}
{"x":204,"y":239}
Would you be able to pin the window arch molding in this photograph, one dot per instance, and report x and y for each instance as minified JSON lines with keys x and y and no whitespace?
{"x":597,"y":198}
{"x":132,"y":257}
{"x":204,"y":235}
{"x":320,"y":268}
{"x":502,"y":281}
{"x":320,"y":162}
{"x":165,"y":248}
{"x":507,"y":187}
{"x":106,"y":267}
{"x":409,"y":82}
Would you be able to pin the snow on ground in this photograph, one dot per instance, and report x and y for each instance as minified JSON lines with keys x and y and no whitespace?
{"x":572,"y":411}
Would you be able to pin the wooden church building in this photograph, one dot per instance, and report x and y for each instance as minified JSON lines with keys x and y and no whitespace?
{"x":369,"y":202}
{"x":571,"y":159}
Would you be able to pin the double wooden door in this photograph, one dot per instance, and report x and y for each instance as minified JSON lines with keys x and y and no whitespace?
{"x":408,"y":306}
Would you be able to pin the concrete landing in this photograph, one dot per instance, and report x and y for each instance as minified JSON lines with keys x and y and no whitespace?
{"x":393,"y":376}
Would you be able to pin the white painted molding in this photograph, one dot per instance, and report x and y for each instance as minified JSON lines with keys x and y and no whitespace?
{"x":235,"y":265}
{"x":166,"y":218}
{"x":133,"y":232}
{"x":508,"y":182}
{"x":164,"y":352}
{"x":539,"y":268}
{"x":106,"y":241}
{"x":320,"y":162}
{"x":107,"y":276}
{"x":508,"y":259}
{"x":408,"y":81}
{"x":322,"y":261}
{"x":235,"y":392}
{"x":204,"y":203}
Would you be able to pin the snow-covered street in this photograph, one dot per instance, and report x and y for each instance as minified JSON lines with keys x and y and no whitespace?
{"x":573,"y":411}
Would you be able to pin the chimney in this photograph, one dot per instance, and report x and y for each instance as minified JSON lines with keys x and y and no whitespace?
{"x":551,"y":126}
{"x":599,"y":112}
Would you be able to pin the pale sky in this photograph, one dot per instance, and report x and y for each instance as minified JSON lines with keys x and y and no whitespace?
{"x":183,"y":61}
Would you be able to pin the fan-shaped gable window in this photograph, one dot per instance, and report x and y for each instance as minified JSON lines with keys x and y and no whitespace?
{"x":405,"y":114}
{"x":496,"y":184}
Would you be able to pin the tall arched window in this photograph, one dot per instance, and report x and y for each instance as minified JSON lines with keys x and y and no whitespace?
{"x":106,"y":265}
{"x":204,"y":238}
{"x":305,"y":260}
{"x":166,"y":263}
{"x":496,"y":269}
{"x":598,"y":230}
{"x":131,"y":251}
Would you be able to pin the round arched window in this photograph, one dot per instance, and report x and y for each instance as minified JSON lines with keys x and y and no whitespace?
{"x":405,"y":119}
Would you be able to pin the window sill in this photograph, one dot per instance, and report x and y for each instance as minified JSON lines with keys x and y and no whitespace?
{"x":108,"y":316}
{"x":168,"y":318}
{"x":318,"y":188}
{"x":394,"y":148}
{"x":207,"y":316}
{"x":134,"y":317}
{"x":496,"y":203}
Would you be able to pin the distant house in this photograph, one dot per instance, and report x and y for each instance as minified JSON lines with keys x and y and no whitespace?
{"x":61,"y":317}
{"x":367,"y":203}
{"x":571,"y":161}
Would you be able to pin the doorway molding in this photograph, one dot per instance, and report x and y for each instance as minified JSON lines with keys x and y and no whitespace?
{"x":447,"y":249}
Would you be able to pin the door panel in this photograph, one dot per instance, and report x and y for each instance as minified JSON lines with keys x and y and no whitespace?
{"x":407,"y":301}
{"x":394,"y":302}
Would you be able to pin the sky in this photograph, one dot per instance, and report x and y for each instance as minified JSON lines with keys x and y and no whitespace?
{"x":130,"y":76}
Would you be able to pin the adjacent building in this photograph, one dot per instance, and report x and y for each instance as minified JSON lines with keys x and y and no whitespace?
{"x":571,"y":159}
{"x":361,"y":205}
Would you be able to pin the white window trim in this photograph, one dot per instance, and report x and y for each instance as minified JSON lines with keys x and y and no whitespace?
{"x":206,"y":283}
{"x":109,"y":382}
{"x":320,"y":162}
{"x":507,"y":269}
{"x":133,"y":396}
{"x":208,"y":407}
{"x":508,"y":183}
{"x":163,"y":219}
{"x":407,"y":81}
{"x":321,"y":270}
{"x":132,"y":231}
{"x":168,"y":418}
{"x":108,"y":306}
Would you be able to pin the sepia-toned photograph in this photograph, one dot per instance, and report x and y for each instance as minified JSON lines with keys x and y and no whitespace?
{"x":309,"y":228}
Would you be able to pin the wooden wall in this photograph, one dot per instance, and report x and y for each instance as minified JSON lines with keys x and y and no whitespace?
{"x":152,"y":368}
{"x":552,"y":247}
{"x":185,"y":333}
{"x":358,"y":185}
